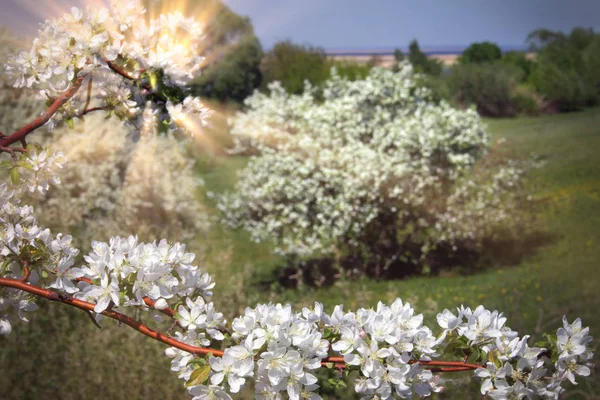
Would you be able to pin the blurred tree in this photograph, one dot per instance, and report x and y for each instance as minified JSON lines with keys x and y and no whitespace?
{"x":292,"y":64}
{"x":421,"y":62}
{"x":482,"y":52}
{"x":489,"y":86}
{"x":519,"y":59}
{"x":566,"y":69}
{"x":398,"y":55}
{"x":233,"y":52}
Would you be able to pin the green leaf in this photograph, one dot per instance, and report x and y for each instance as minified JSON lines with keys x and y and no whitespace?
{"x":329,"y":365}
{"x":24,"y":164}
{"x":474,"y":356}
{"x":14,"y":176}
{"x":70,"y":123}
{"x":199,"y":376}
{"x":198,"y":361}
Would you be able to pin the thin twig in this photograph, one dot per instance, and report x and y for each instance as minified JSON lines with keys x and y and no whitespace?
{"x":89,"y":313}
{"x":12,"y":150}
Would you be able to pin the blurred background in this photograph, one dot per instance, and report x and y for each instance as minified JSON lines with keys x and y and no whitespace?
{"x":530,"y":68}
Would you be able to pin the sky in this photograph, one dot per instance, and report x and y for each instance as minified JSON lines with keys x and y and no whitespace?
{"x":374,"y":24}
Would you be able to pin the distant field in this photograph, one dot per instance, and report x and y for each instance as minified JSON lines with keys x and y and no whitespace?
{"x":387,"y":61}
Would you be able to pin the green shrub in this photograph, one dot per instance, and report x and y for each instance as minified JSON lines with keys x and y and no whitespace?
{"x":521,"y":60}
{"x":421,"y":63}
{"x":488,"y":86}
{"x":292,"y":64}
{"x":526,"y":100}
{"x":478,"y":53}
{"x":566,"y":69}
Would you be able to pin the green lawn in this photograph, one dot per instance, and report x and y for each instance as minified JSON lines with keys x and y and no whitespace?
{"x":61,"y":355}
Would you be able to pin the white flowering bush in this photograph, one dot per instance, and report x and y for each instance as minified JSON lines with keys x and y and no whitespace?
{"x":389,"y":348}
{"x":115,"y":185}
{"x":17,"y":105}
{"x":374,"y":168}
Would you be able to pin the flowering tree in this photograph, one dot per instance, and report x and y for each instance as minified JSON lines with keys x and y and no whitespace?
{"x":372,"y":169}
{"x":140,"y":65}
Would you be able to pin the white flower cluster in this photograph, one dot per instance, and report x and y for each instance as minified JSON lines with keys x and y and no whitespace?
{"x":46,"y":255}
{"x":382,"y":342}
{"x":281,"y":350}
{"x":130,"y":60}
{"x":370,"y":154}
{"x":389,"y":346}
{"x":125,"y":271}
{"x":514,"y":369}
{"x":20,"y":106}
{"x":35,"y":170}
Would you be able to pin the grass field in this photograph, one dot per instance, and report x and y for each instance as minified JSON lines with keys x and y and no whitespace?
{"x":61,"y":355}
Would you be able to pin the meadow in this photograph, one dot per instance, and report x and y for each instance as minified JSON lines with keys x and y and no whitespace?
{"x":60,"y":354}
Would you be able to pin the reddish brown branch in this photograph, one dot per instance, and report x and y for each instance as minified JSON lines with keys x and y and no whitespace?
{"x":338,"y":362}
{"x":84,"y":305}
{"x":149,"y":302}
{"x":42,"y":119}
{"x":167,"y":311}
{"x":12,"y":150}
{"x":90,"y":110}
{"x":119,"y":70}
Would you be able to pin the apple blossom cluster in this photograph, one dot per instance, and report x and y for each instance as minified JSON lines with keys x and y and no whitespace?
{"x":35,"y":170}
{"x":139,"y":68}
{"x":372,"y":155}
{"x":389,"y":346}
{"x":24,"y":243}
{"x":514,"y":369}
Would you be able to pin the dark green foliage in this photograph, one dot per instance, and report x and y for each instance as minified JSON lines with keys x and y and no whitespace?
{"x":292,"y":64}
{"x":398,"y":55}
{"x":421,"y":62}
{"x":488,"y":86}
{"x":232,"y":51}
{"x":591,"y":65}
{"x":566,"y":69}
{"x":478,"y":53}
{"x":519,"y":59}
{"x":236,"y":75}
